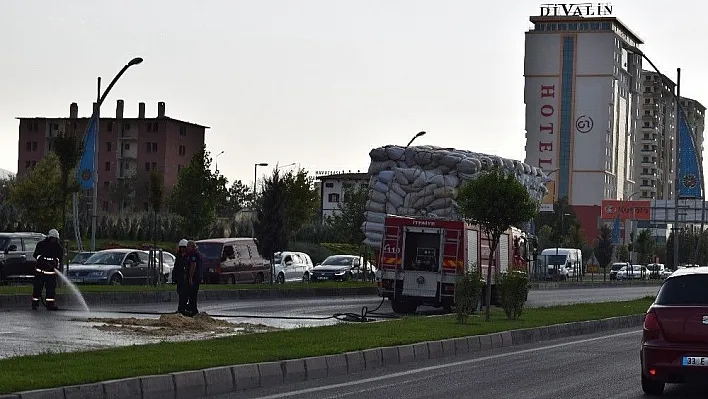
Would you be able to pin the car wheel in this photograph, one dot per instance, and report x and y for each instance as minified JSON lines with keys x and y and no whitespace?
{"x":280,"y":279}
{"x":231,"y":280}
{"x":116,"y":279}
{"x":306,"y":278}
{"x":259,"y":278}
{"x":652,"y":387}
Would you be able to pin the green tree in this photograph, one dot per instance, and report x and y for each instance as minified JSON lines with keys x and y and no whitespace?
{"x":545,"y":238}
{"x":350,"y":218}
{"x":235,"y":199}
{"x":69,"y":149}
{"x":301,"y":200}
{"x":269,"y":226}
{"x":195,"y":196}
{"x":156,"y":193}
{"x":645,"y":247}
{"x":575,"y":237}
{"x":561,"y":220}
{"x":623,"y":253}
{"x":495,"y":201}
{"x":5,"y":185}
{"x":603,"y":249}
{"x":38,"y":196}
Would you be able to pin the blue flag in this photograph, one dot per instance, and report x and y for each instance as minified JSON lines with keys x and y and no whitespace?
{"x":616,"y":230}
{"x":688,"y":168}
{"x":87,"y":168}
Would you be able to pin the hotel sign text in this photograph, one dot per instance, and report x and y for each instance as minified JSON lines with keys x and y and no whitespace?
{"x":576,"y":10}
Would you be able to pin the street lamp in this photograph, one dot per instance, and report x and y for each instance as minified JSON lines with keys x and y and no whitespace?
{"x":560,"y":241}
{"x":97,"y":114}
{"x":216,"y":162}
{"x":415,"y":137}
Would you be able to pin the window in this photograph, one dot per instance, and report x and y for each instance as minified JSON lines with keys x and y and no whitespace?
{"x":109,"y":146}
{"x":28,"y":146}
{"x":147,"y":166}
{"x":182,"y":150}
{"x":30,"y":243}
{"x":151,"y":147}
{"x":17,"y":242}
{"x":143,"y":257}
{"x":126,"y":146}
{"x":183,"y":130}
{"x":154,"y":147}
{"x":684,"y":290}
{"x":334,"y":197}
{"x":154,"y":165}
{"x":108,"y":166}
{"x":329,"y":185}
{"x":106,"y":184}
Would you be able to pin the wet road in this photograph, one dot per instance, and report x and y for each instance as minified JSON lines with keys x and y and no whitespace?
{"x":26,"y":332}
{"x":589,"y":367}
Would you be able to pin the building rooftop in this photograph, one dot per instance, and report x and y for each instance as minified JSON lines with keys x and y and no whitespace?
{"x":167,"y":118}
{"x":614,"y":20}
{"x":344,"y":176}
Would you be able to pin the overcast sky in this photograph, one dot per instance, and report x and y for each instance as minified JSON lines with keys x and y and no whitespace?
{"x":317,"y":82}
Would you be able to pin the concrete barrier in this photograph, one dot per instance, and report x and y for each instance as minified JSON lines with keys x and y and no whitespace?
{"x":223,"y":380}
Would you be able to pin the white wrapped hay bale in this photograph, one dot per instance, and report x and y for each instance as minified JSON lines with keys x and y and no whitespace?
{"x":374,"y":217}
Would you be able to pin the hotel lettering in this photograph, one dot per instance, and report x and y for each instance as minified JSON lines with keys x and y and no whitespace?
{"x":547,"y":126}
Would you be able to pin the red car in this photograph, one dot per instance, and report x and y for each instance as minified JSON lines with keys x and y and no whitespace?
{"x":675,"y":336}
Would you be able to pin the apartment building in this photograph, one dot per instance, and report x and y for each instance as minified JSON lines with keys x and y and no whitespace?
{"x":333,"y":189}
{"x":129,"y":148}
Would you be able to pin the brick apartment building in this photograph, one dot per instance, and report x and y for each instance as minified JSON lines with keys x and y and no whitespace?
{"x":128,"y":149}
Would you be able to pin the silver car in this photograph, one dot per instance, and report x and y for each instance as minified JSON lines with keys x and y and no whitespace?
{"x":113,"y":266}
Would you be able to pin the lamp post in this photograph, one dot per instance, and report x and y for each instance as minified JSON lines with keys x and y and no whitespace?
{"x":415,"y":137}
{"x":97,"y":114}
{"x":216,"y":162}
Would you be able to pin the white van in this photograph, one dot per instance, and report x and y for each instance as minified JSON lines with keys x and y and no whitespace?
{"x":562,"y":263}
{"x":292,"y":267}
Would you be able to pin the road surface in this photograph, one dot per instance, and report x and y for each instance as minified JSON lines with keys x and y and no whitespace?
{"x":589,"y":367}
{"x":26,"y":332}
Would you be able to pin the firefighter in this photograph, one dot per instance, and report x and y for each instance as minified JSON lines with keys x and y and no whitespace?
{"x":179,"y":276}
{"x":48,"y":253}
{"x":193,"y":265}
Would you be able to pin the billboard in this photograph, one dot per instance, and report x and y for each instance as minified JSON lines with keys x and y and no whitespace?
{"x":626,"y":210}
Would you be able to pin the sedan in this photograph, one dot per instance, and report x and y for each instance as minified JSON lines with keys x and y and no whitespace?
{"x":112,"y":266}
{"x":342,"y":268}
{"x":674,"y":345}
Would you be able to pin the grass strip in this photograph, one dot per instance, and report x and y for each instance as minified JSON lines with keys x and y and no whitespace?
{"x":61,"y":369}
{"x":27,"y":289}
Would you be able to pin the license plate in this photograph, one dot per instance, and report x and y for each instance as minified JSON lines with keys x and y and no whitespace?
{"x":76,"y":280}
{"x":322,"y":278}
{"x":698,"y":361}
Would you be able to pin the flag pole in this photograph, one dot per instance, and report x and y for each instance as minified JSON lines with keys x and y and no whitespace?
{"x":677,"y":175}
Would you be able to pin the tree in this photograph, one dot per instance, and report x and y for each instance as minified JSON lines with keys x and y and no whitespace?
{"x":645,"y":247}
{"x":623,"y":253}
{"x":156,"y":192}
{"x":575,"y":237}
{"x":351,"y":216}
{"x":195,"y":196}
{"x":269,"y":226}
{"x":561,"y":220}
{"x":5,"y":186}
{"x":545,"y":238}
{"x":236,"y":198}
{"x":38,"y":196}
{"x":603,"y":249}
{"x":495,"y":201}
{"x":301,"y":200}
{"x":69,"y":149}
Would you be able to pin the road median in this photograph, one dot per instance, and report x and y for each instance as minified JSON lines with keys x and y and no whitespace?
{"x":281,"y":356}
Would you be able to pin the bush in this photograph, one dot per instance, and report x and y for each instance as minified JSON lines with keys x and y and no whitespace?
{"x":514,"y":288}
{"x":468,"y":288}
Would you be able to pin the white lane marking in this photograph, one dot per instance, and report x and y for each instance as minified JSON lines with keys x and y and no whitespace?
{"x":442,"y":366}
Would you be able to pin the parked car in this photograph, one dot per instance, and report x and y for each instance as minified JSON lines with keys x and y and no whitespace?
{"x":633,"y":272}
{"x":675,"y":333}
{"x":17,"y":263}
{"x":616,"y":268}
{"x":233,"y":260}
{"x":113,"y":266}
{"x":658,"y":271}
{"x":343,"y":268}
{"x":291,"y":266}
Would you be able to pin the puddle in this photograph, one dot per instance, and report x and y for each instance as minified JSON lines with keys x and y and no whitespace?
{"x":174,"y":325}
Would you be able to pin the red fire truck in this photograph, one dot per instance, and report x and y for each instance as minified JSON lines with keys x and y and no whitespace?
{"x":420,"y":259}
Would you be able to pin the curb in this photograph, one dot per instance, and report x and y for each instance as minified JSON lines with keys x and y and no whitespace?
{"x":125,"y":298}
{"x":227,"y":379}
{"x":598,"y":284}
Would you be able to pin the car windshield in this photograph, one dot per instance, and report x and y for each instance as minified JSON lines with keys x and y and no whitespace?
{"x":338,"y":260}
{"x":81,"y":257}
{"x":105,"y":258}
{"x":618,"y":267}
{"x":684,"y":290}
{"x":210,"y":250}
{"x":555,"y":259}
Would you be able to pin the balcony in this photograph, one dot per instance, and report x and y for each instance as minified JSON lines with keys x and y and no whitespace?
{"x":126,"y":169}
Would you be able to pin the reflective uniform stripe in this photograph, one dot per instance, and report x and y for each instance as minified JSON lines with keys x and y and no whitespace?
{"x":49,"y":299}
{"x":35,"y":299}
